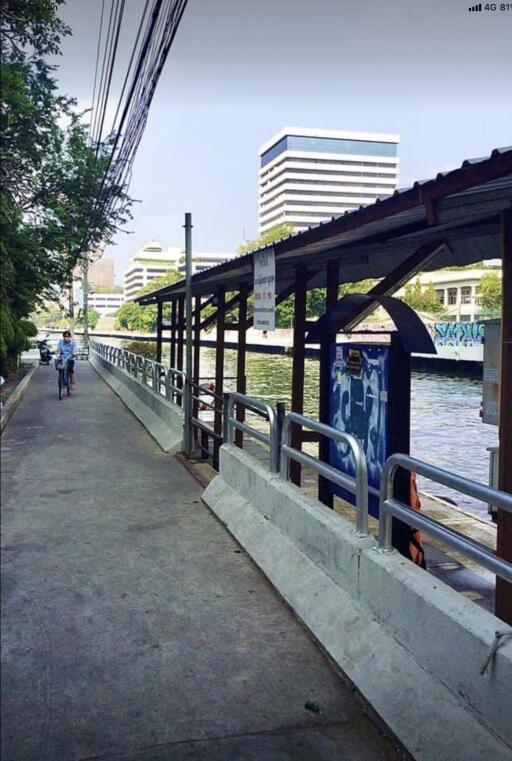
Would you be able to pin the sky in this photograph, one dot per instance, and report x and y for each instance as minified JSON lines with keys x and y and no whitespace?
{"x":240,"y":70}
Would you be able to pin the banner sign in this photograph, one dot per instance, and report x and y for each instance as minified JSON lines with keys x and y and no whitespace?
{"x":359,"y":406}
{"x":265,"y":291}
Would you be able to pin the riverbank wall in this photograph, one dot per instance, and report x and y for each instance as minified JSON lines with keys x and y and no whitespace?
{"x":462,"y":361}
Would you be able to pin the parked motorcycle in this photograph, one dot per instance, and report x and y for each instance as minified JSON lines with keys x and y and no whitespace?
{"x":45,"y":355}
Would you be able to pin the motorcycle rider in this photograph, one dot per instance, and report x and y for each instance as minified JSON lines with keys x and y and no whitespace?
{"x":66,"y":348}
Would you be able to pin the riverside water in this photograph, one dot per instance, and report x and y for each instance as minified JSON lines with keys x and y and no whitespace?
{"x":446,"y":428}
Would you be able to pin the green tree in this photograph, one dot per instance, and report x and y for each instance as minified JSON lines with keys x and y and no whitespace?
{"x":51,"y":207}
{"x":133,"y":317}
{"x":106,"y":289}
{"x":92,"y":318}
{"x":265,"y":239}
{"x":491,"y":292}
{"x":422,"y":299}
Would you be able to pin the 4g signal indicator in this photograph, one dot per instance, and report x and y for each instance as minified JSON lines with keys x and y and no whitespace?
{"x":479,"y":7}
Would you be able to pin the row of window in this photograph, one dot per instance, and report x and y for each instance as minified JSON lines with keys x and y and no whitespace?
{"x":310,"y":163}
{"x":310,"y":167}
{"x":451,"y":295}
{"x":331,"y":201}
{"x":338,"y":178}
{"x":329,"y":145}
{"x":334,"y":193}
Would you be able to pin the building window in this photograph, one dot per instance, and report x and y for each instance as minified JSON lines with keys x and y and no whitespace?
{"x":328,"y":145}
{"x":465,"y":295}
{"x":452,"y":296}
{"x":478,"y":296}
{"x":440,"y":295}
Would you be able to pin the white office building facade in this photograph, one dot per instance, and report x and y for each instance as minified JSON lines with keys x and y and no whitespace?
{"x":309,"y":176}
{"x":153,"y":261}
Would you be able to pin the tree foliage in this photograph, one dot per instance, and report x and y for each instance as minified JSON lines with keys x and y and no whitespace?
{"x":491,"y":292}
{"x":92,"y":318}
{"x":52,"y":197}
{"x":422,"y":299}
{"x":265,"y":239}
{"x":133,"y":317}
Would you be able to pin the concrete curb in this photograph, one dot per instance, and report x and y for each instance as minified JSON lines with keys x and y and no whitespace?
{"x":15,"y":398}
{"x":411,"y":645}
{"x":163,"y":420}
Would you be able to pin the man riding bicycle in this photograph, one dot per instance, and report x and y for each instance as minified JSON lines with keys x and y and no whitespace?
{"x":66,"y":348}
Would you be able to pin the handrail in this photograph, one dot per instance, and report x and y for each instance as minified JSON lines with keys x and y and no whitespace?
{"x":390,"y":507}
{"x":140,"y":367}
{"x":249,"y":402}
{"x":357,"y":485}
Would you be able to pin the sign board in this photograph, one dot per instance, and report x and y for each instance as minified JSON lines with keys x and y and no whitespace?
{"x":491,"y":384}
{"x":78,"y":297}
{"x":264,"y":290}
{"x":359,"y":386}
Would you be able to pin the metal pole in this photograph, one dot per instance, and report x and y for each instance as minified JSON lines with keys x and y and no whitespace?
{"x":85,"y":289}
{"x":504,"y":527}
{"x":188,"y":324}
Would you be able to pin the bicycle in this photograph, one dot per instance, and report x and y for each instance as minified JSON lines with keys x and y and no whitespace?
{"x":61,"y":365}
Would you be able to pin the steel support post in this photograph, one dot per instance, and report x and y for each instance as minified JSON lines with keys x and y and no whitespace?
{"x":174,"y":318}
{"x":219,"y":368}
{"x":196,"y":374}
{"x":241,"y":385}
{"x":504,"y":539}
{"x":159,"y":312}
{"x":187,"y":430}
{"x":325,"y":494}
{"x":299,"y":353}
{"x":180,"y":341}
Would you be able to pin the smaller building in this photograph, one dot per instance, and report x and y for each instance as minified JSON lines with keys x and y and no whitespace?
{"x":458,"y":291}
{"x":153,"y":261}
{"x":204,"y":260}
{"x":105,"y":303}
{"x":149,"y":262}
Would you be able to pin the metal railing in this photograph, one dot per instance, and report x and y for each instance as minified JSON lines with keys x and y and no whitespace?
{"x":357,"y":485}
{"x":164,"y":381}
{"x":390,"y":507}
{"x":203,"y":399}
{"x":260,"y":408}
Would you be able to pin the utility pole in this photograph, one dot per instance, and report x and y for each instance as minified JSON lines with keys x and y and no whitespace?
{"x":188,"y":335}
{"x":85,"y":309}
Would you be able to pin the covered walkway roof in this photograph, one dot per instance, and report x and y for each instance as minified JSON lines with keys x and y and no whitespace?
{"x":459,"y":209}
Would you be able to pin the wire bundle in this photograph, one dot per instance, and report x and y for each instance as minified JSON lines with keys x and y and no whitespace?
{"x":157,"y":28}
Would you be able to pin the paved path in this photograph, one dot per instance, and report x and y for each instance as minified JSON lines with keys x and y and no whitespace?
{"x":135,"y":628}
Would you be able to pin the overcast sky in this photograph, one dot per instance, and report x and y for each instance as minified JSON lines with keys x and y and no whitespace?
{"x":240,"y":70}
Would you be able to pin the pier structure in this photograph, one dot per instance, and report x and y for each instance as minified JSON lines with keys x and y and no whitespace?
{"x":458,"y":218}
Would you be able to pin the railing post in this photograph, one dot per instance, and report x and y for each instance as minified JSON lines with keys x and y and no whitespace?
{"x":187,"y":418}
{"x":280,"y":416}
{"x":225,"y":420}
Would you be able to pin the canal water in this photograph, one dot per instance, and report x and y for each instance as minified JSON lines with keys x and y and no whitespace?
{"x":446,"y":428}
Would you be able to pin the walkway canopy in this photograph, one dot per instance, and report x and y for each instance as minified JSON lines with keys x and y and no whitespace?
{"x":460,"y":209}
{"x":458,"y":218}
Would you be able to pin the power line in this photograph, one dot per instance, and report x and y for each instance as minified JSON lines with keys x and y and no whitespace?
{"x":151,"y":52}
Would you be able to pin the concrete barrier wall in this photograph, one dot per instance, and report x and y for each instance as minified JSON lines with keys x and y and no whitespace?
{"x":163,"y":419}
{"x":413,"y":646}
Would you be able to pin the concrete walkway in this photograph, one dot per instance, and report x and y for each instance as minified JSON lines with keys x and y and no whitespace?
{"x":134,"y":627}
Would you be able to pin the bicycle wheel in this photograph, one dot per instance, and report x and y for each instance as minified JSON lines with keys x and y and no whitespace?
{"x":60,"y":382}
{"x":68,"y":386}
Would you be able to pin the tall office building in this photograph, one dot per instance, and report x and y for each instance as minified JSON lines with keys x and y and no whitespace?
{"x":310,"y":175}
